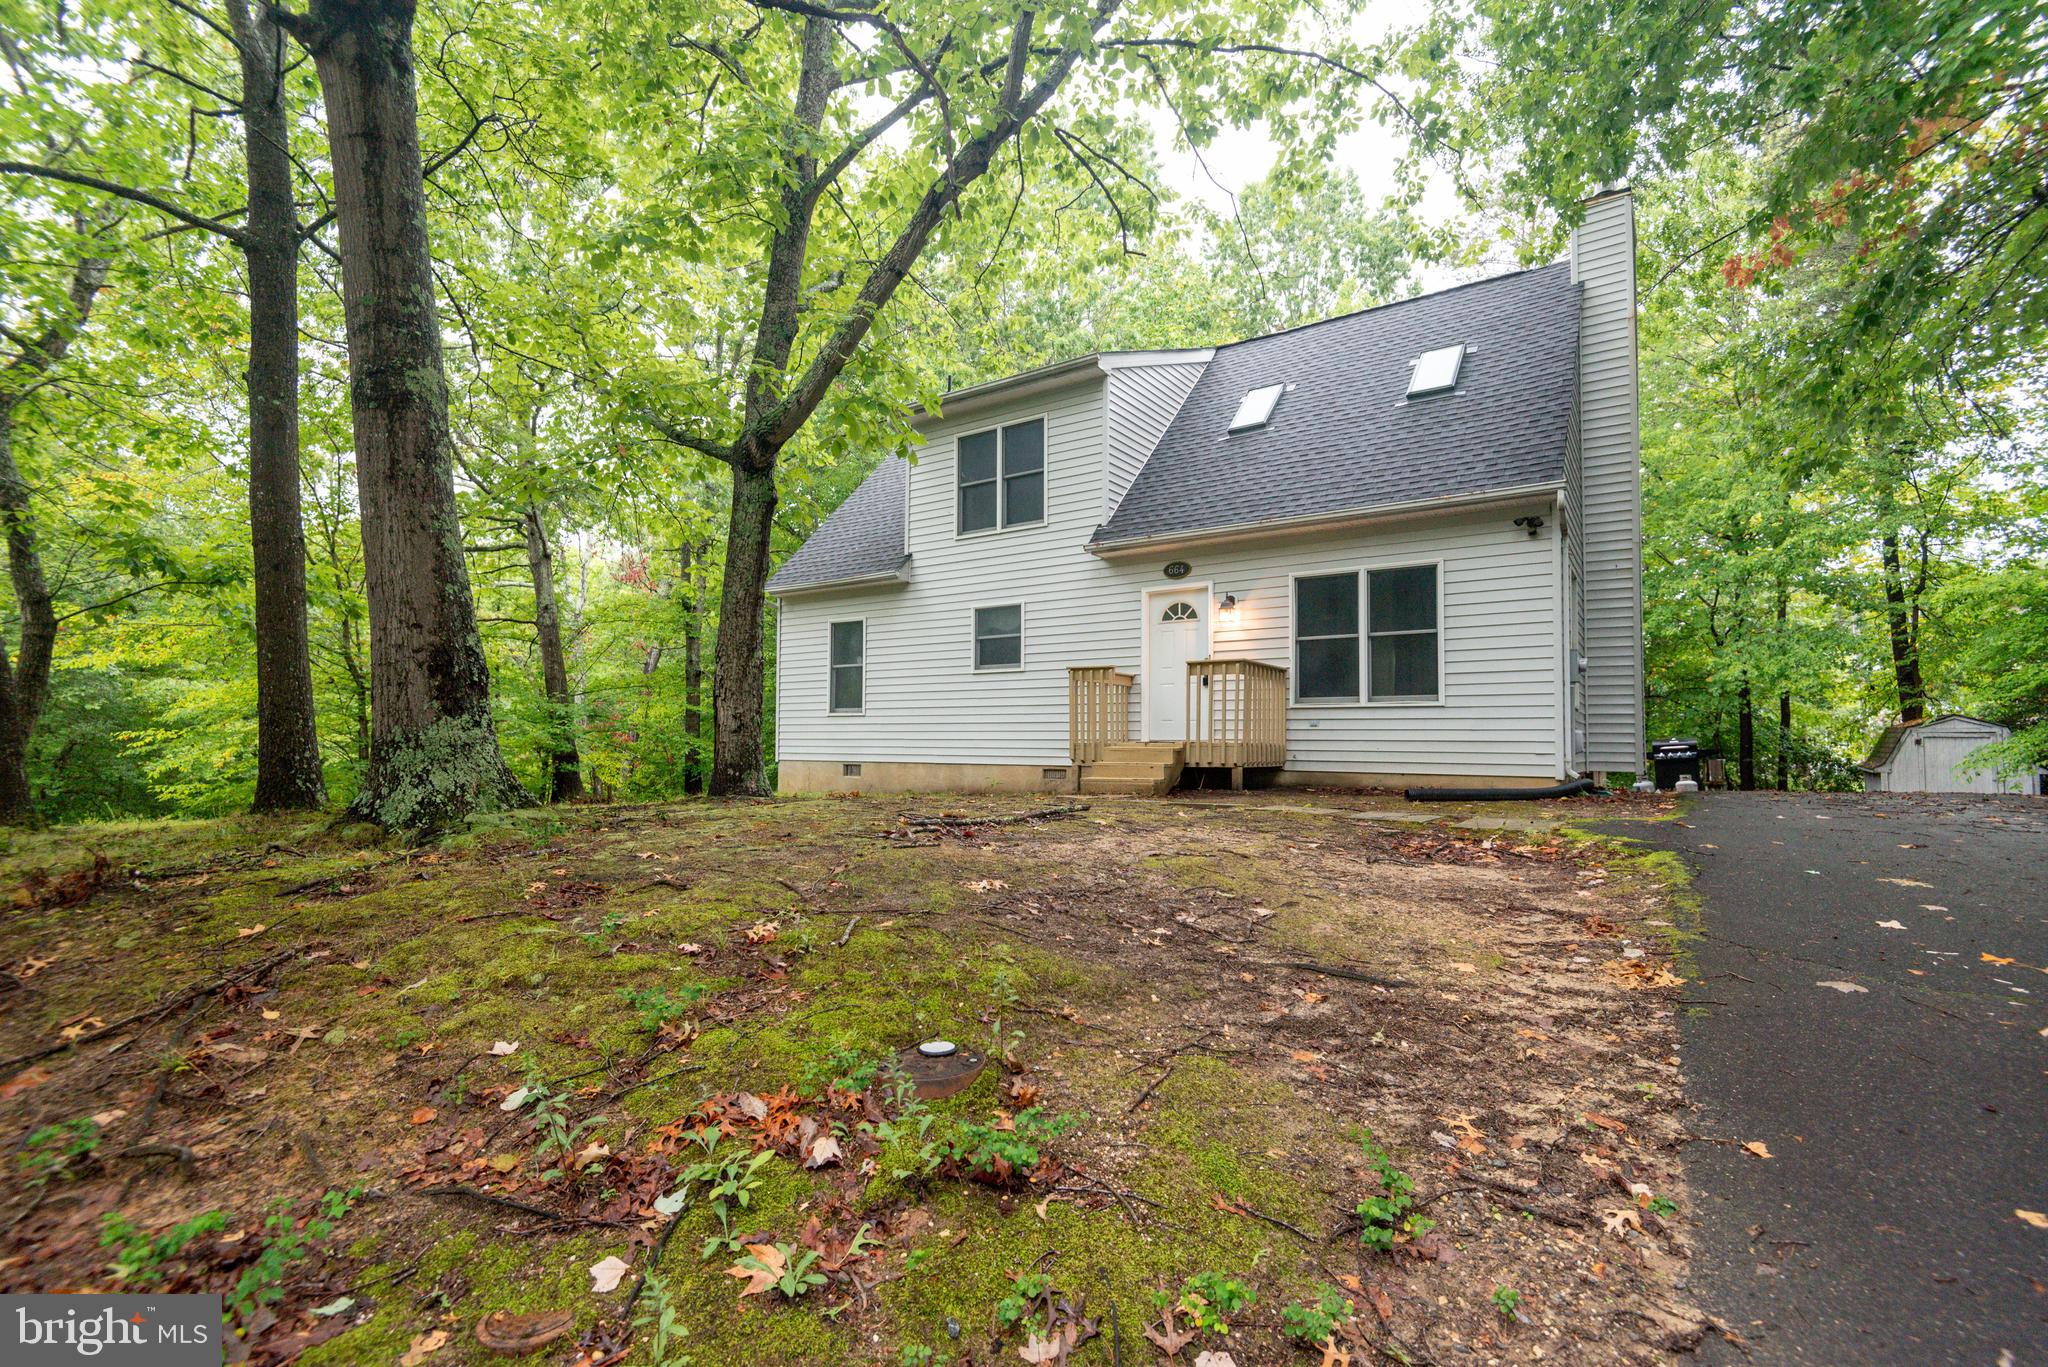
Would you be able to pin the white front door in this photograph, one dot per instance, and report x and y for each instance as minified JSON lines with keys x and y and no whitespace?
{"x":1179,"y":631}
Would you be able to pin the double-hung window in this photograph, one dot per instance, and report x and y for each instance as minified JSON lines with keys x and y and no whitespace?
{"x":1000,"y":477}
{"x":849,"y":666}
{"x":1402,"y":625}
{"x":1378,"y":628}
{"x":999,"y":637}
{"x":1326,"y":637}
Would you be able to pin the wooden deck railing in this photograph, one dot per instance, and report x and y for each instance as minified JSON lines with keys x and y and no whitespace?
{"x":1237,"y":714}
{"x":1098,"y":710}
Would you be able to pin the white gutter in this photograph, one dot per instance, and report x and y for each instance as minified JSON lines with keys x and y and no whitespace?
{"x":1316,"y":522}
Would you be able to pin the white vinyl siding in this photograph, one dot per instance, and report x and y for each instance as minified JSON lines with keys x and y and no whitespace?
{"x":1500,"y":705}
{"x":1609,"y":511}
{"x":1141,"y":401}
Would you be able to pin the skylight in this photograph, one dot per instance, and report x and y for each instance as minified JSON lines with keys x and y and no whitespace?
{"x":1436,"y":371}
{"x":1256,"y":408}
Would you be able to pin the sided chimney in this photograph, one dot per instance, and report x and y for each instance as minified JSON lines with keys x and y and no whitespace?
{"x":1610,"y":492}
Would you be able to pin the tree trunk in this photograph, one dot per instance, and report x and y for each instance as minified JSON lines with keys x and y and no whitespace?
{"x":25,"y":679}
{"x":1745,"y":740}
{"x":1904,"y":638}
{"x":434,"y":754}
{"x":565,"y":766}
{"x":739,"y":764}
{"x":693,"y":675}
{"x":288,"y":770}
{"x":1784,"y":704}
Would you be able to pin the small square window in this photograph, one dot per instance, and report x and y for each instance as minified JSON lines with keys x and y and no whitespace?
{"x":999,"y":637}
{"x":849,"y":771}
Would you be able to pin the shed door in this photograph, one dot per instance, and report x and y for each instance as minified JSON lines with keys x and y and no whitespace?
{"x":1180,"y":632}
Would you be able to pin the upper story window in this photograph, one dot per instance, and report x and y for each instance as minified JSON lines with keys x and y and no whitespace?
{"x":1000,"y":476}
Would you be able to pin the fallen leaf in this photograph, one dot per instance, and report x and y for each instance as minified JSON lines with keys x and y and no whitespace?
{"x":22,"y":1081}
{"x":605,"y":1274}
{"x":1844,"y":987}
{"x":516,"y":1100}
{"x":2034,"y":1218}
{"x":1464,"y":967}
{"x":501,"y":1331}
{"x":1606,"y":1122}
{"x":1995,"y":959}
{"x":1212,"y":1358}
{"x":1617,"y":1220}
{"x":1757,"y":1147}
{"x":423,"y":1115}
{"x":825,"y":1150}
{"x":1906,"y":882}
{"x":258,"y":929}
{"x":334,"y":1307}
{"x":591,"y":1155}
{"x":1891,"y":925}
{"x":1169,"y":1339}
{"x":503,"y":1047}
{"x":763,"y":932}
{"x":767,"y":1271}
{"x":423,"y":1347}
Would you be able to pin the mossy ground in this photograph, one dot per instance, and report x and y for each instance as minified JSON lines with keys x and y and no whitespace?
{"x":1223,"y":995}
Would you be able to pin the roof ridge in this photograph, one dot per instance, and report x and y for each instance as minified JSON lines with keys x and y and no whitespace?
{"x":1391,"y":304}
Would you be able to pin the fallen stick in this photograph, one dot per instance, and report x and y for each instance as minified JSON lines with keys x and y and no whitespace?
{"x":1348,"y":974}
{"x":452,"y":1192}
{"x":919,"y":822}
{"x":163,"y":1008}
{"x":1146,"y":1095}
{"x":846,"y":934}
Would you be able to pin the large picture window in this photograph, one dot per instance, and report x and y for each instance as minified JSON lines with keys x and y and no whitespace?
{"x":999,"y":637}
{"x":1401,"y":614}
{"x":1326,"y":637}
{"x":849,"y":666}
{"x":1388,"y":633}
{"x":1000,"y":476}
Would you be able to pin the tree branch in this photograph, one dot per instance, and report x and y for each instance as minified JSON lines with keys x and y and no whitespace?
{"x":128,"y":192}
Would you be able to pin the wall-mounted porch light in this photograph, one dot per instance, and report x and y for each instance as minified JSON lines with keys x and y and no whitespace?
{"x":1226,"y":611}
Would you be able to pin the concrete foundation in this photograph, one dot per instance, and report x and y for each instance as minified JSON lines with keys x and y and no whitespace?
{"x":883,"y":776}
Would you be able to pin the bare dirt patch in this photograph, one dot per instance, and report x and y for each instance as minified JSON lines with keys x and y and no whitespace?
{"x":446,"y":1084}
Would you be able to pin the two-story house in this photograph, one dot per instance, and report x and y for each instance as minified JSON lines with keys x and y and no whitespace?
{"x":1399,"y":546}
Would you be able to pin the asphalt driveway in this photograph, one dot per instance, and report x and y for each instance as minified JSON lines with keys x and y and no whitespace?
{"x":1873,"y":988}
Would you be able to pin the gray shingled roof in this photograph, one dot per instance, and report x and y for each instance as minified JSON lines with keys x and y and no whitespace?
{"x":863,"y":537}
{"x":1345,"y":438}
